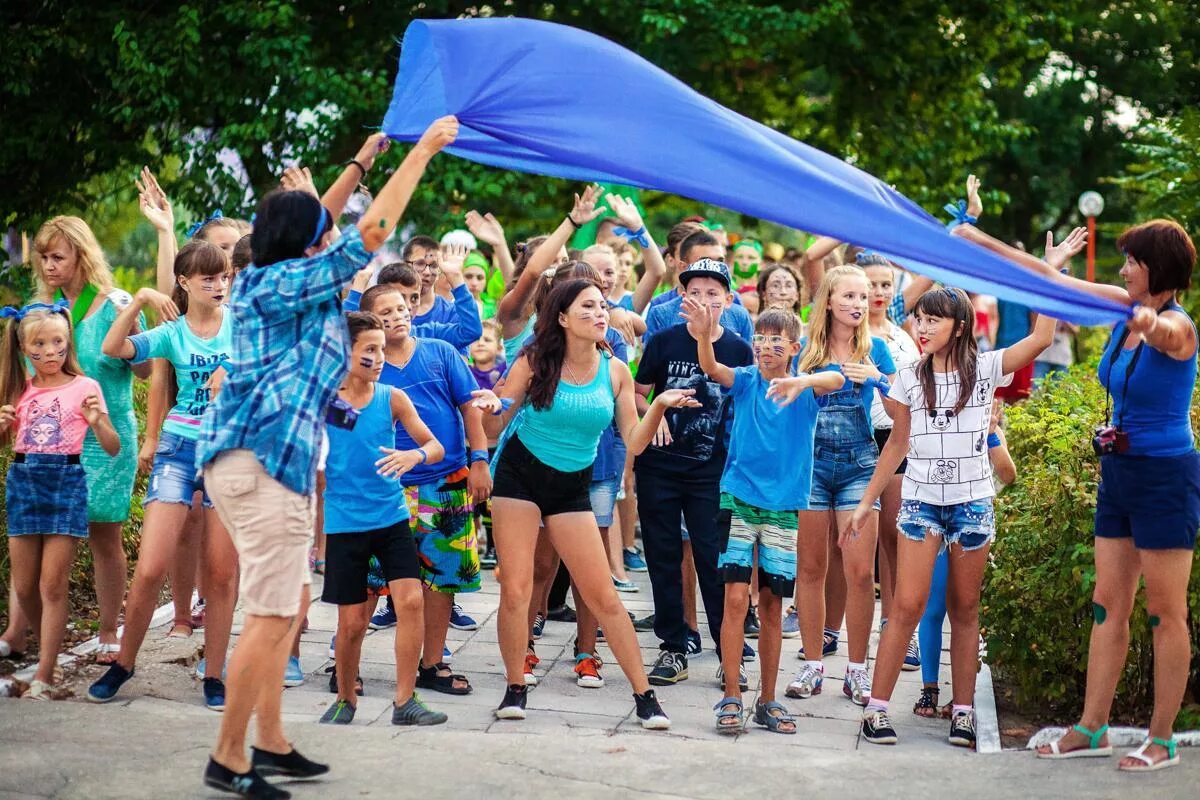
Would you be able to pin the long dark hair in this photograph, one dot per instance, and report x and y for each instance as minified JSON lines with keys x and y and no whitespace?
{"x":954,"y":305}
{"x":286,"y":223}
{"x":548,"y":347}
{"x":197,"y":257}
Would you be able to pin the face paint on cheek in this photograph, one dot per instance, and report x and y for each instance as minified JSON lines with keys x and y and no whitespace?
{"x":777,"y":349}
{"x":366,"y":362}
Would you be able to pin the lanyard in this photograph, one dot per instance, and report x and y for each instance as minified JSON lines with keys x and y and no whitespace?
{"x":1133,"y":360}
{"x":82,"y":303}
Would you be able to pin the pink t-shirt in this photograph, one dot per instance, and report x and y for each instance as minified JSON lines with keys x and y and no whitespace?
{"x":50,"y":420}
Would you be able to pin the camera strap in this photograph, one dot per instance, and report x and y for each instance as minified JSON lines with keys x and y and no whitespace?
{"x":1133,"y":360}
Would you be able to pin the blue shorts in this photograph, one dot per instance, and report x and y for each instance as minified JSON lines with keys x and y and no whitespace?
{"x":603,"y":495}
{"x":840,"y":477}
{"x":1155,"y":500}
{"x":46,"y":494}
{"x":173,"y":478}
{"x":972,"y":525}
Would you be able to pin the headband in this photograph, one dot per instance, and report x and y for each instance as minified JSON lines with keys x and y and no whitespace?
{"x":320,"y":231}
{"x":196,"y":226}
{"x":754,"y":244}
{"x":12,"y":312}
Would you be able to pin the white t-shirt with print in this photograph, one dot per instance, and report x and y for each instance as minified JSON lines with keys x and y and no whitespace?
{"x":947,"y":453}
{"x":904,"y":353}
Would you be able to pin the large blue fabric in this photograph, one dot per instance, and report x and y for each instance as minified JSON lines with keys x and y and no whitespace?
{"x":539,"y":97}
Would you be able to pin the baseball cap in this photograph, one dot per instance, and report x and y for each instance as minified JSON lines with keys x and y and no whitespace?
{"x":706,"y":268}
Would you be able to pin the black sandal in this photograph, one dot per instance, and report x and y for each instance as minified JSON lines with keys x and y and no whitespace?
{"x":927,"y":704}
{"x":428,"y":678}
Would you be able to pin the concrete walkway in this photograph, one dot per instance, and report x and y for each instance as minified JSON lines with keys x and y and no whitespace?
{"x":582,"y":742}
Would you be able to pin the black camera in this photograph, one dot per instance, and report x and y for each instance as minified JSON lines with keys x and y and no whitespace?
{"x":1110,"y":439}
{"x":341,"y":414}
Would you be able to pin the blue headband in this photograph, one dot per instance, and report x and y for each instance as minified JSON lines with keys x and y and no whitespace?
{"x":320,"y":231}
{"x":12,"y":312}
{"x":196,"y":226}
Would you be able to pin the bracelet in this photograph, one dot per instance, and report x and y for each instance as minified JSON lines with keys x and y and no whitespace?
{"x":505,"y":404}
{"x":424,"y":455}
{"x":479,"y":455}
{"x":356,"y":163}
{"x":571,"y":220}
{"x":993,"y":440}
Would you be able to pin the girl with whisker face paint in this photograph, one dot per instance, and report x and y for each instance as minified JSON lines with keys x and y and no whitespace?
{"x":46,"y":491}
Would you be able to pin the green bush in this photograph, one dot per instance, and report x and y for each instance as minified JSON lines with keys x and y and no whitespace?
{"x":1037,"y":597}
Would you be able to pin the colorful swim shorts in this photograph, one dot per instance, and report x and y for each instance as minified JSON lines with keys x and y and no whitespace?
{"x":443,"y":525}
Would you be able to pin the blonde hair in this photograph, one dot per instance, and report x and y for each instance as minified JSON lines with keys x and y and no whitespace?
{"x":79,"y":237}
{"x":238,"y":226}
{"x":12,"y":357}
{"x":601,"y":249}
{"x":818,"y":352}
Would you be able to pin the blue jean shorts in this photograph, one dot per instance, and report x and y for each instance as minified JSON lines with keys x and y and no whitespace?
{"x":972,"y":525}
{"x":840,"y":477}
{"x":173,"y":478}
{"x":603,"y":495}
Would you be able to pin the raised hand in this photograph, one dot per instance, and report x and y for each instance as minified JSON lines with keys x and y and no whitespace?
{"x":453,"y":256}
{"x":90,"y":408}
{"x":7,"y":415}
{"x":440,"y":134}
{"x":625,"y":211}
{"x":486,"y":401}
{"x":375,"y":144}
{"x":362,"y":279}
{"x":486,"y":228}
{"x":997,"y":414}
{"x":584,"y":210}
{"x":153,"y":202}
{"x":699,"y":318}
{"x":974,"y":204}
{"x":1059,"y":254}
{"x":299,"y":179}
{"x":164,"y":307}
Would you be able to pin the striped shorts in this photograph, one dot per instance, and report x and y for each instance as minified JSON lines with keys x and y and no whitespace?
{"x":748,"y":531}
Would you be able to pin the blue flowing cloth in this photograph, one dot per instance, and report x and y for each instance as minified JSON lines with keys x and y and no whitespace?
{"x":533,"y":96}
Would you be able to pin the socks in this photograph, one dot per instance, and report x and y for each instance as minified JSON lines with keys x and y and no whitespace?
{"x":957,"y":709}
{"x":852,"y":666}
{"x":819,"y":666}
{"x":874,"y":704}
{"x":832,"y":633}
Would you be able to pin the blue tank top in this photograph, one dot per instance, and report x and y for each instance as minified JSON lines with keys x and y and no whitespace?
{"x":566,"y":435}
{"x":357,"y":498}
{"x":1155,"y":409}
{"x":513,"y":346}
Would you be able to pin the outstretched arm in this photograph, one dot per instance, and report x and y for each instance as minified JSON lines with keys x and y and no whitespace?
{"x":655,"y":268}
{"x":156,"y":208}
{"x":638,"y":434}
{"x":338,"y":194}
{"x":488,"y":230}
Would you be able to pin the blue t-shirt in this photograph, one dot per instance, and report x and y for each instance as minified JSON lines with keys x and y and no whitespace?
{"x":610,"y":453}
{"x":441,"y":311}
{"x":770,"y":459}
{"x":351,"y":476}
{"x":461,"y":330}
{"x":437,"y":381}
{"x":194,"y":360}
{"x":666,"y":315}
{"x":1014,"y":323}
{"x":880,"y":356}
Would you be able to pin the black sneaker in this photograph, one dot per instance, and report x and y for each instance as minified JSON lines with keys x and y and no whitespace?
{"x":695,"y":645}
{"x":333,"y":689}
{"x":751,"y":627}
{"x":962,"y":729}
{"x":513,"y":704}
{"x":670,"y":668}
{"x":562,"y":614}
{"x":488,"y":559}
{"x":539,"y":625}
{"x":289,"y":765}
{"x":650,"y":713}
{"x":877,"y":728}
{"x":246,"y":784}
{"x":644,"y":624}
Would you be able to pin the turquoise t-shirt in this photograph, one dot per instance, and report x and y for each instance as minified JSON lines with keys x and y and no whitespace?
{"x":194,"y":360}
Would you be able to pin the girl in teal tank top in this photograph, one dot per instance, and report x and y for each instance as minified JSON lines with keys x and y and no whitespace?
{"x":566,"y":434}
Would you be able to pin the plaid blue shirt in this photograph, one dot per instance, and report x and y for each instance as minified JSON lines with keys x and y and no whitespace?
{"x":896,"y":311}
{"x":290,"y":353}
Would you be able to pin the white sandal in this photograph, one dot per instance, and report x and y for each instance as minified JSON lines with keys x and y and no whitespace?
{"x":1093,"y":750}
{"x":1171,"y":760}
{"x":38,"y":690}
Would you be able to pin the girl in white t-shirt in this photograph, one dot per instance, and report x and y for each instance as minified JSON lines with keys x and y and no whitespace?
{"x":941,"y":410}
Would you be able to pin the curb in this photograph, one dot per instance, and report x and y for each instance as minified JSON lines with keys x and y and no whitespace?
{"x":1117,"y":737}
{"x":987,"y":722}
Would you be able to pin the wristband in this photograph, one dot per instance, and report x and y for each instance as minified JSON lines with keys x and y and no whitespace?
{"x":505,"y":404}
{"x":479,"y":455}
{"x":424,"y":455}
{"x":575,"y":224}
{"x":356,"y":163}
{"x":959,"y":213}
{"x":993,"y":440}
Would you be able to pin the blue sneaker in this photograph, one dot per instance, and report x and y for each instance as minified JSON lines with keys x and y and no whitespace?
{"x":332,"y":652}
{"x":105,"y":689}
{"x":633,"y":559}
{"x":748,"y":653}
{"x":383,"y":618}
{"x":200,"y":669}
{"x":912,"y":656}
{"x":461,"y":621}
{"x":214,"y":694}
{"x":447,"y":656}
{"x":694,"y":644}
{"x":293,"y":675}
{"x":791,"y":623}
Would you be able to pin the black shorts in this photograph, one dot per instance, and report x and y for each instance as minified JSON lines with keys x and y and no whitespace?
{"x":881,"y":437}
{"x":347,"y":556}
{"x":522,"y":476}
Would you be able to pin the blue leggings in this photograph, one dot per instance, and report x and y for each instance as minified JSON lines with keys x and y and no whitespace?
{"x":929,"y":634}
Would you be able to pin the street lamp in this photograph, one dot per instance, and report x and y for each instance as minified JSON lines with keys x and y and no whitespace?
{"x":1091,"y":205}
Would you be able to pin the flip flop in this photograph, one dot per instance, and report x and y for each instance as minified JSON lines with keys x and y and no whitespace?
{"x":1171,"y":760}
{"x":1093,"y":750}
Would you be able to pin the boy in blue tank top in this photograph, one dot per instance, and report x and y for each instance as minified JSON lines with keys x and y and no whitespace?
{"x":363,"y":464}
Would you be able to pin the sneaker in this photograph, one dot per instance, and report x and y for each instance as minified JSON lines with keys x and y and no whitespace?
{"x":415,"y":712}
{"x":670,"y":668}
{"x":488,"y":559}
{"x":695,"y":644}
{"x":912,"y":657}
{"x":650,"y":713}
{"x":293,"y":675}
{"x":857,"y":686}
{"x":531,"y":661}
{"x":513,"y":704}
{"x":246,"y":784}
{"x":202,"y":668}
{"x":644,"y":624}
{"x":807,"y":683}
{"x":198,"y":613}
{"x":877,"y":728}
{"x":460,"y":621}
{"x":791,"y":623}
{"x":587,"y":672}
{"x":962,"y":729}
{"x":214,"y":694}
{"x":751,"y":627}
{"x":539,"y":625}
{"x":743,"y":684}
{"x":105,"y":689}
{"x":289,"y":765}
{"x":333,"y":687}
{"x":600,"y":635}
{"x":829,"y":645}
{"x":332,"y":647}
{"x":748,"y":653}
{"x":340,"y":713}
{"x":562,"y":614}
{"x":632,"y":556}
{"x":625,"y":586}
{"x":447,"y":656}
{"x":383,"y":618}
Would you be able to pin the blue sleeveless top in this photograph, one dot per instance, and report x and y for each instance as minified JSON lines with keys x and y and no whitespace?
{"x":357,"y":498}
{"x":1155,"y":410}
{"x":566,"y":435}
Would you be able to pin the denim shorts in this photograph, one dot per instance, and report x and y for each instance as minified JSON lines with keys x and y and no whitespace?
{"x":173,"y":478}
{"x":603,"y":495}
{"x":972,"y":525}
{"x":840,"y":477}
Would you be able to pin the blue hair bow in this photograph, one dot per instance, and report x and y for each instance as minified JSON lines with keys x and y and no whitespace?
{"x":12,"y":312}
{"x":959,"y":213}
{"x":640,"y":236}
{"x":196,"y":226}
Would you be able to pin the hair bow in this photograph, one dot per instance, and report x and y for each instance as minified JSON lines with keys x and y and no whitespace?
{"x":959,"y":213}
{"x":640,"y":236}
{"x":12,"y":312}
{"x":196,"y":226}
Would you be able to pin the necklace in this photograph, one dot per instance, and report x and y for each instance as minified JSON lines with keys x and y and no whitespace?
{"x":571,"y":372}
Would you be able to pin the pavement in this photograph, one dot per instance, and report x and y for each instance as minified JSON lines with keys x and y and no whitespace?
{"x":153,"y":741}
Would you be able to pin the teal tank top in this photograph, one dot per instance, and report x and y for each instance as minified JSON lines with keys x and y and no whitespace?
{"x":513,"y":346}
{"x":565,"y":435}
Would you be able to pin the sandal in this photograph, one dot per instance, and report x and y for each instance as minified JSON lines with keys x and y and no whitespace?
{"x":106,"y":653}
{"x":927,"y":703}
{"x":728,"y":721}
{"x":40,"y":690}
{"x":428,"y":678}
{"x":175,"y":633}
{"x":1093,"y":750}
{"x":764,"y":715}
{"x":1171,"y":760}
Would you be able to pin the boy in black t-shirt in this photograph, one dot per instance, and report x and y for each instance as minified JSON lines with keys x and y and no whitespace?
{"x":680,"y":473}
